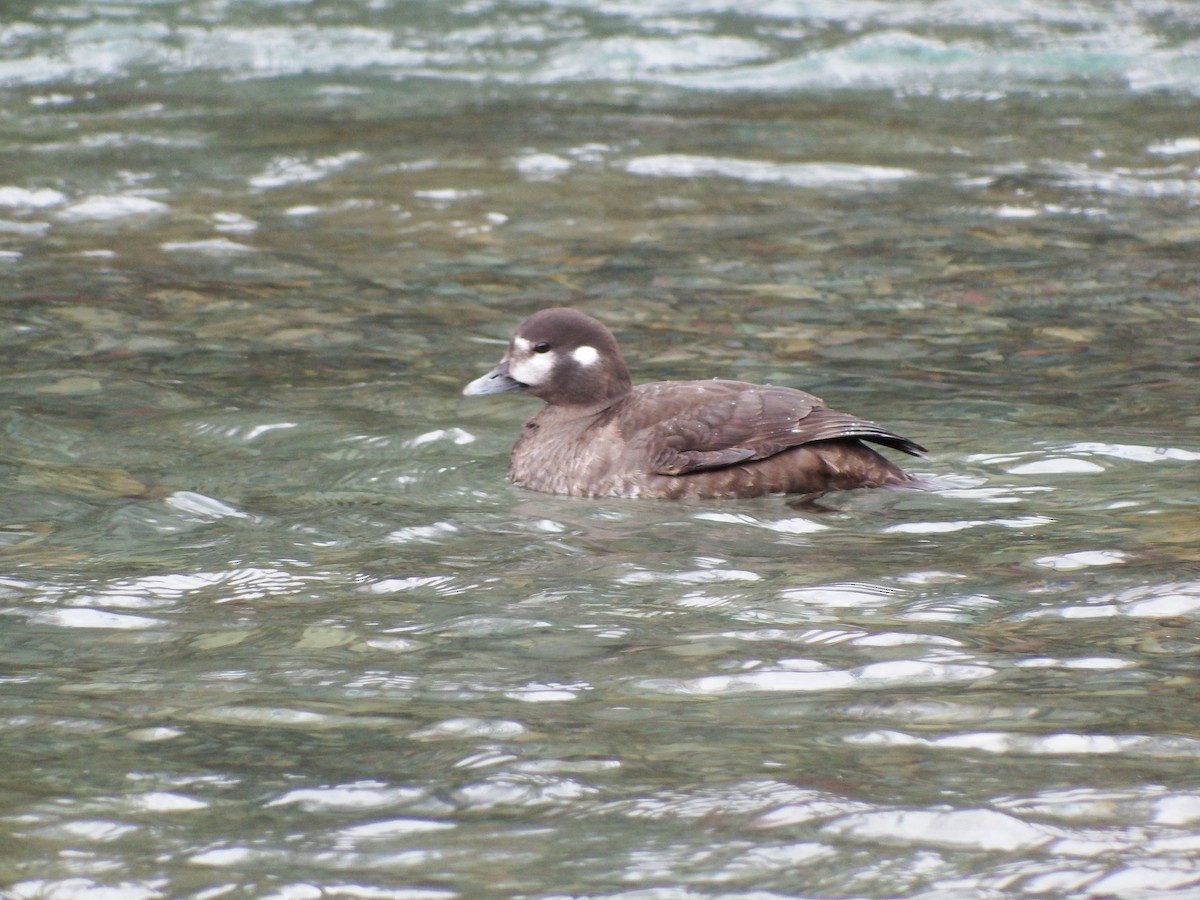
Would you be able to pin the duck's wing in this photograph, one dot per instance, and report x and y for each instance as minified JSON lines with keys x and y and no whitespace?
{"x":714,"y":424}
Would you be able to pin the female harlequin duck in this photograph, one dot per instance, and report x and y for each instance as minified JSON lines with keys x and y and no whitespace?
{"x":599,"y":435}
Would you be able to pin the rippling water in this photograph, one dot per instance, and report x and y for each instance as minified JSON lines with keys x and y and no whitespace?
{"x":275,"y":625}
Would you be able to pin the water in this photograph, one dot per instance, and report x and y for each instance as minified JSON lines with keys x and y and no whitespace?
{"x":275,"y":626}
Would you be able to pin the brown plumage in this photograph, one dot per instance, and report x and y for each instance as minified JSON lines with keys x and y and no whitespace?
{"x":601,"y":436}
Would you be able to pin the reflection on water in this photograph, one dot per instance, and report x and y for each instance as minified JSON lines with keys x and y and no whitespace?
{"x":275,"y":625}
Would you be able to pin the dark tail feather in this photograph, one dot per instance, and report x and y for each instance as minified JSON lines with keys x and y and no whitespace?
{"x":895,"y":441}
{"x":828,"y":424}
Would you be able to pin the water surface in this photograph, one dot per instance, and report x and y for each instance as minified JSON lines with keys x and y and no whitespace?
{"x":276,"y":626}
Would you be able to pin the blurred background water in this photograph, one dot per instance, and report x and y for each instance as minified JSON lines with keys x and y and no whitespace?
{"x":274,"y":625}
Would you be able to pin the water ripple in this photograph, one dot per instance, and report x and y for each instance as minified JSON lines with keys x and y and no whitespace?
{"x":949,"y":48}
{"x":1154,"y":601}
{"x":274,"y":625}
{"x":1069,"y":744}
{"x":982,"y":829}
{"x":804,"y":676}
{"x":806,"y":175}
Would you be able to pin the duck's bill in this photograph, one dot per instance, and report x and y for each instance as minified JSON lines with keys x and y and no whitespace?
{"x":497,"y":381}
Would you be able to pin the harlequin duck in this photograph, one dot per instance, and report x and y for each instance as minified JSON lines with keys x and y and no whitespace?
{"x":599,"y":435}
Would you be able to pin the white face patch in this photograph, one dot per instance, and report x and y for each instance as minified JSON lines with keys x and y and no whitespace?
{"x":586,"y":355}
{"x":529,"y":367}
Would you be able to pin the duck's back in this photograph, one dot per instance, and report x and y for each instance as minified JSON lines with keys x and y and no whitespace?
{"x":677,"y":439}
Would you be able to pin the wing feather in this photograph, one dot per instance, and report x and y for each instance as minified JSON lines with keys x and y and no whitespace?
{"x":716,"y":424}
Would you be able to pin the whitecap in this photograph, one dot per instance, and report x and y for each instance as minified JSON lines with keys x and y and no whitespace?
{"x":1054,"y":744}
{"x":1018,"y":522}
{"x":1056,"y":465}
{"x":626,"y":58}
{"x":209,"y":247}
{"x":1081,"y":559}
{"x":203,"y":507}
{"x":422,"y":533}
{"x":446,"y":195}
{"x":25,"y":198}
{"x":695,"y":576}
{"x":790,"y":525}
{"x":454,"y":434}
{"x":976,"y":829}
{"x":233,"y":222}
{"x":251,"y":52}
{"x":1133,"y":452}
{"x":469,"y":727}
{"x":542,"y":694}
{"x":1175,"y":147}
{"x":79,"y":617}
{"x":165,"y":801}
{"x":285,"y":170}
{"x":222,"y":856}
{"x":793,"y":678}
{"x":392,"y":828}
{"x":31,"y":229}
{"x":805,"y":175}
{"x":541,"y":166}
{"x":1171,"y":604}
{"x":1177,"y":809}
{"x":841,"y":596}
{"x":355,"y":795}
{"x":104,"y":207}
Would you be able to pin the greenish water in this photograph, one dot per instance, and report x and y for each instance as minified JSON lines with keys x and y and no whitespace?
{"x":274,"y":625}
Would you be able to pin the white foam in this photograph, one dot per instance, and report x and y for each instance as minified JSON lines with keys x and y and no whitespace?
{"x":542,"y":166}
{"x":1176,"y":147}
{"x":1056,"y":465}
{"x":105,"y":207}
{"x":284,"y":170}
{"x":456,"y":435}
{"x":27,"y":228}
{"x":24,"y":198}
{"x":233,"y":222}
{"x":446,"y":195}
{"x":976,"y":829}
{"x":203,"y":507}
{"x":96,"y":618}
{"x":210,"y":247}
{"x":1134,"y":452}
{"x":1081,"y":559}
{"x":809,"y":175}
{"x":629,"y":58}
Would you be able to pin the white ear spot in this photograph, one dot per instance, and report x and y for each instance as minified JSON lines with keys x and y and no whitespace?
{"x":586,"y":355}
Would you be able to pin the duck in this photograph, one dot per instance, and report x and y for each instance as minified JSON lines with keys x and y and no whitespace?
{"x":600,"y":435}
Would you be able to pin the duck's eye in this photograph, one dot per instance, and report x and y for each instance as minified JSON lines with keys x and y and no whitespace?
{"x":541,"y":347}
